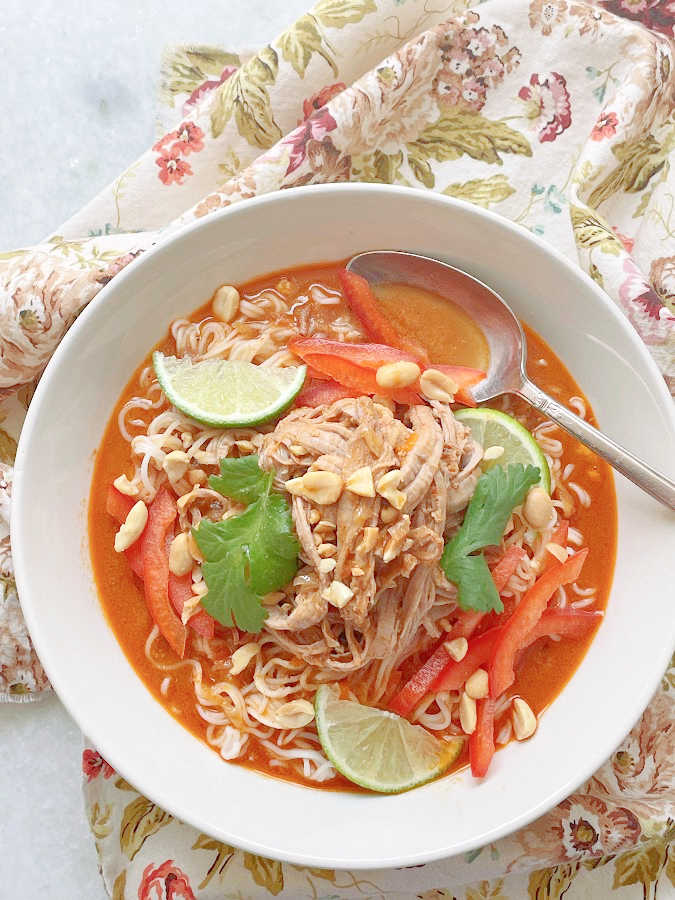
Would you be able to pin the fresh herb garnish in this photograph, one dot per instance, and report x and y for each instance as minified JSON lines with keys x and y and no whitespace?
{"x":249,"y":555}
{"x":497,"y":492}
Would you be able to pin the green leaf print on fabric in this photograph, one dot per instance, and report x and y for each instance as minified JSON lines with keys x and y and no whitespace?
{"x":7,"y":448}
{"x":639,"y":161}
{"x":224,"y":853}
{"x":592,"y":233}
{"x":267,"y":873}
{"x":338,"y":13}
{"x":301,"y":41}
{"x":641,"y":866}
{"x":551,"y":884}
{"x":482,"y":191}
{"x":140,"y":819}
{"x":383,"y":168}
{"x":245,"y":96}
{"x":453,"y":135}
{"x":305,"y":37}
{"x":119,"y":887}
{"x":184,"y":69}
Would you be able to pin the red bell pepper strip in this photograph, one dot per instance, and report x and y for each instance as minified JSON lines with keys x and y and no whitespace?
{"x":465,"y":378}
{"x":506,"y":566}
{"x":358,"y":379}
{"x":161,"y":516}
{"x":568,"y":622}
{"x":353,"y":365}
{"x":118,"y":506}
{"x":180,"y":591}
{"x":366,"y":307}
{"x":319,"y":392}
{"x":482,"y":741}
{"x":455,"y":674}
{"x":559,"y":536}
{"x":528,"y":612}
{"x":370,"y":356}
{"x":419,"y":685}
{"x":466,"y":624}
{"x":469,"y":620}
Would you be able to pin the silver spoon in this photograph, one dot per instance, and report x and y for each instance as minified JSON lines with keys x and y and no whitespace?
{"x":508,"y":354}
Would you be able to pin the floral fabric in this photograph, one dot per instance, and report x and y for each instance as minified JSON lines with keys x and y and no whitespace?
{"x":616,"y":832}
{"x":555,"y":113}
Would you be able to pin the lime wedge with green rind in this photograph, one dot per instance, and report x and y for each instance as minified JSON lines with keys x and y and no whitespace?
{"x":377,"y":749}
{"x":227,"y":393}
{"x":493,"y":428}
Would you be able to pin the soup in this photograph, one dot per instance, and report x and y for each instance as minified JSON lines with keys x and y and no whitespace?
{"x":365,"y":584}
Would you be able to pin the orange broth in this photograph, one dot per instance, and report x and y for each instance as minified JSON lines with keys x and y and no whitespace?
{"x":544,"y":668}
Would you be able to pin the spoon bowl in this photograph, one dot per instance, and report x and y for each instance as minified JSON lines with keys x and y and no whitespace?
{"x":508,"y":353}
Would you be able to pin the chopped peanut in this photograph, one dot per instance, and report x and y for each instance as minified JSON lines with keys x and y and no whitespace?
{"x":557,"y":550}
{"x":124,"y":486}
{"x":243,"y":656}
{"x":524,"y":720}
{"x":493,"y":452}
{"x":132,"y":527}
{"x":436,"y":385}
{"x":467,"y":713}
{"x":226,"y":303}
{"x":361,"y":482}
{"x":477,"y":685}
{"x":338,"y":594}
{"x":538,"y":507}
{"x":387,"y":488}
{"x":175,"y":464}
{"x":180,"y":558}
{"x":401,"y":374}
{"x":457,"y":648}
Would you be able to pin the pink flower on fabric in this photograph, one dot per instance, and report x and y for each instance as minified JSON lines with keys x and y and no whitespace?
{"x":605,"y":127}
{"x":636,"y":289}
{"x":189,"y":138}
{"x":548,"y":105}
{"x":205,"y":87}
{"x":627,"y":242}
{"x":316,"y":127}
{"x":321,"y":98}
{"x":166,"y":882}
{"x":172,"y":167}
{"x":93,"y":764}
{"x":582,"y":825}
{"x":474,"y":93}
{"x":473,"y":60}
{"x":163,"y":141}
{"x":656,"y":15}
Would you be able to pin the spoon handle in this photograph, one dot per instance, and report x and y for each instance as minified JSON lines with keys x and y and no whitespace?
{"x":651,"y":481}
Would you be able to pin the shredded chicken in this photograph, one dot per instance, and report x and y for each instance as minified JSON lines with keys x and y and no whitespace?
{"x":386,"y":558}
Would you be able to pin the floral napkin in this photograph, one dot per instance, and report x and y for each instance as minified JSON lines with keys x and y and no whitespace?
{"x":557,"y":114}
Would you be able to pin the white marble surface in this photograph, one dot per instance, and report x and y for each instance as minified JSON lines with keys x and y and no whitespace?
{"x":77,"y":96}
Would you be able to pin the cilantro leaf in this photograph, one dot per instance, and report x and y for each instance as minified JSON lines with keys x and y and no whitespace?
{"x":241,"y":479}
{"x":497,"y":492}
{"x":246,"y":556}
{"x":230,"y":599}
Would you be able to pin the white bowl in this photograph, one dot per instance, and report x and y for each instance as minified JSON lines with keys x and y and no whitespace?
{"x":82,"y":657}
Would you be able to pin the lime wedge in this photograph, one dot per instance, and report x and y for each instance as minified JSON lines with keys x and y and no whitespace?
{"x":227,"y":393}
{"x":378,"y":749}
{"x":492,"y":428}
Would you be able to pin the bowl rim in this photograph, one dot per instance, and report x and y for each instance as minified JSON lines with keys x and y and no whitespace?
{"x":166,"y":246}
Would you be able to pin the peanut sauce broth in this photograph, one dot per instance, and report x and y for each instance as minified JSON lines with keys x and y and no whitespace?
{"x":449,"y":336}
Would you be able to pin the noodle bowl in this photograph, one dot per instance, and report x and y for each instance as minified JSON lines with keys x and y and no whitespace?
{"x":262,"y":715}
